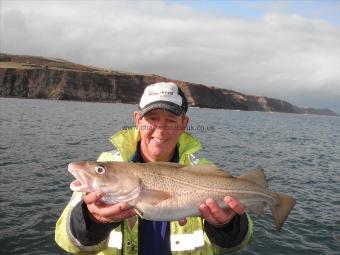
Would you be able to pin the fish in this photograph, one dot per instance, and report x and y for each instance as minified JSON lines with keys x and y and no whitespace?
{"x":165,"y":191}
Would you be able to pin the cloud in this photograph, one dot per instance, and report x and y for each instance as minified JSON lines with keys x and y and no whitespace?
{"x":285,"y":56}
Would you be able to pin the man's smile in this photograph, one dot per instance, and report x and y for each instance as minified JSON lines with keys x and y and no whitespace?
{"x":159,"y":140}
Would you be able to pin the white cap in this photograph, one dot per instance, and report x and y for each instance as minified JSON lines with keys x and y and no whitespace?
{"x":163,"y":95}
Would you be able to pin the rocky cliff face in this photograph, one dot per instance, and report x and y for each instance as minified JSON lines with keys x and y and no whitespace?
{"x":55,"y":84}
{"x":36,"y":77}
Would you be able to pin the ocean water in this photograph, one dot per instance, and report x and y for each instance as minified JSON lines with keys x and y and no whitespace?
{"x":299,"y":153}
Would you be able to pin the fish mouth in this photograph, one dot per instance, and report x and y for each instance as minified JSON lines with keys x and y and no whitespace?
{"x":81,"y":183}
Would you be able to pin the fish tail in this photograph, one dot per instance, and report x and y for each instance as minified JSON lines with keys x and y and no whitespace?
{"x":281,"y":210}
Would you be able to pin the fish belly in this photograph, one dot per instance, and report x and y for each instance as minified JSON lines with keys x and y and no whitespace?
{"x":175,"y":208}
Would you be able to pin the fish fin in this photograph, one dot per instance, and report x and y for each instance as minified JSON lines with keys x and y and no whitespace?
{"x":132,"y":222}
{"x":139,"y":213}
{"x":257,"y":207}
{"x":153,"y":197}
{"x":256,"y":176}
{"x":281,"y":210}
{"x":164,"y":164}
{"x":207,"y":169}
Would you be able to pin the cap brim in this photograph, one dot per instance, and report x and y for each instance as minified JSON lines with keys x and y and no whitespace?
{"x":165,"y":105}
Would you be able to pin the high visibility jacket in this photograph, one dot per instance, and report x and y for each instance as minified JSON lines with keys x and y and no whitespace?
{"x":188,"y":239}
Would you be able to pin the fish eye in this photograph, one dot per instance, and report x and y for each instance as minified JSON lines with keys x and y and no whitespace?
{"x":100,"y":169}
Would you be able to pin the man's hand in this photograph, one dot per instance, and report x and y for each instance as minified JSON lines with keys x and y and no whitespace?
{"x":107,"y":213}
{"x":218,"y":216}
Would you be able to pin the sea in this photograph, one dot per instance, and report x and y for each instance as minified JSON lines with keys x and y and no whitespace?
{"x":300,"y":155}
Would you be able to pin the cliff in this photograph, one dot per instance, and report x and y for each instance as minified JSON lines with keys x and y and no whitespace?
{"x":50,"y":78}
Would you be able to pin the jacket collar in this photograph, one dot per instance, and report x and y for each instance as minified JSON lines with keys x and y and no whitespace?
{"x":126,"y":143}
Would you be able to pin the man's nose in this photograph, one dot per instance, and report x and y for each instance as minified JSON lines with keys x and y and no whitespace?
{"x":161,"y":124}
{"x":161,"y":128}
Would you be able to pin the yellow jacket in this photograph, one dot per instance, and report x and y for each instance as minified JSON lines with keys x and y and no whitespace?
{"x":187,"y":239}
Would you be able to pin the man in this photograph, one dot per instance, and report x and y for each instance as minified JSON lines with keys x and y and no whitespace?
{"x":87,"y":225}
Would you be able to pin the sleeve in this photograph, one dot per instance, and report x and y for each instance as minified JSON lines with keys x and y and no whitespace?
{"x":76,"y":232}
{"x":86,"y":230}
{"x":64,"y":235}
{"x":231,"y":237}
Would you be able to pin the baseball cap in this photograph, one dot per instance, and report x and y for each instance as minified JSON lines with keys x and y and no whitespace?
{"x":163,"y":95}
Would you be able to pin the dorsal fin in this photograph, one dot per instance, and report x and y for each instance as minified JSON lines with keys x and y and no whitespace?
{"x":166,"y":164}
{"x":256,"y":176}
{"x":207,"y":169}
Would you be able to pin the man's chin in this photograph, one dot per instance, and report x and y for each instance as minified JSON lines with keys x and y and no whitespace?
{"x":157,"y":153}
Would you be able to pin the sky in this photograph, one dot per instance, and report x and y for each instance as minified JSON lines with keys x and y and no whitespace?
{"x":288,"y":50}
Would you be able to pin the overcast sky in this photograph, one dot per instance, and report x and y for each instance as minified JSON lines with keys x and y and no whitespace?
{"x":287,"y":50}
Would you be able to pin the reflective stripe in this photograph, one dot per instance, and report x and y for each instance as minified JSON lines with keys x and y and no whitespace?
{"x":116,"y":155}
{"x":187,"y":242}
{"x":115,"y":240}
{"x":180,"y":242}
{"x":193,"y":159}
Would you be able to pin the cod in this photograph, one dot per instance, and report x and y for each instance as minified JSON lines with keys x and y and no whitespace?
{"x":162,"y":191}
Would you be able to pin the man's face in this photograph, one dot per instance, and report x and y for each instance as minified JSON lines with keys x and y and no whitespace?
{"x":160,"y":131}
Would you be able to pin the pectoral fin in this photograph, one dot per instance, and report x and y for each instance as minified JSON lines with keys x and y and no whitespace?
{"x":131,"y":222}
{"x":139,"y":213}
{"x":153,"y":197}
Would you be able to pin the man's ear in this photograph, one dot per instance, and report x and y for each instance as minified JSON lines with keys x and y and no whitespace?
{"x":185,"y":121}
{"x":138,"y":118}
